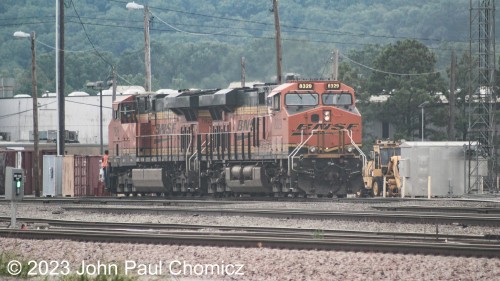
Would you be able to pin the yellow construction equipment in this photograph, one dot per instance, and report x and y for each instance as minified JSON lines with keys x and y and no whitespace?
{"x":383,"y":167}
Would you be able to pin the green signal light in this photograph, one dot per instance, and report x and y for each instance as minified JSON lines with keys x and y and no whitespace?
{"x":18,"y":184}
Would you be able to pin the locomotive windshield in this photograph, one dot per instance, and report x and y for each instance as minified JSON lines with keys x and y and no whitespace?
{"x":337,"y":99}
{"x":301,"y":99}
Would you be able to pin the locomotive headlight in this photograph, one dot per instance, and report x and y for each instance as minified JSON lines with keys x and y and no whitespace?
{"x":327,"y":115}
{"x":313,"y":149}
{"x":350,"y":149}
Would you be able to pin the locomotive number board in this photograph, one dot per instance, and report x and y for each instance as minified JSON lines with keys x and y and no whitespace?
{"x":332,"y":86}
{"x":306,"y":86}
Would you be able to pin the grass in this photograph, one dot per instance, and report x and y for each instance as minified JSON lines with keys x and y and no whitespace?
{"x":318,"y":234}
{"x":75,"y":277}
{"x":6,"y":257}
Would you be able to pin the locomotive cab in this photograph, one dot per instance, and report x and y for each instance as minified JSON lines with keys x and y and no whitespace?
{"x":318,"y":127}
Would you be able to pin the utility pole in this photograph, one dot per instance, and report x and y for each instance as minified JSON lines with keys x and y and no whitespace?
{"x":278,"y":40}
{"x":114,"y":85}
{"x":60,"y":83}
{"x":147,"y":50}
{"x":36,"y":173}
{"x":243,"y":72}
{"x":335,"y":65}
{"x":99,"y":85}
{"x":451,"y":119}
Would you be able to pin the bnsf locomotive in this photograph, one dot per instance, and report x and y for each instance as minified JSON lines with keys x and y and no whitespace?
{"x":300,"y":138}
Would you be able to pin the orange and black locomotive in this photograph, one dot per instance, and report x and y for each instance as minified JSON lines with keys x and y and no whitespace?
{"x":300,"y":138}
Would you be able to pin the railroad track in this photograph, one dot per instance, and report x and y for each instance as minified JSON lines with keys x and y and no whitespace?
{"x":34,"y":222}
{"x":445,"y":209}
{"x":179,"y":201}
{"x":122,"y":201}
{"x":386,"y":216}
{"x":286,"y":238}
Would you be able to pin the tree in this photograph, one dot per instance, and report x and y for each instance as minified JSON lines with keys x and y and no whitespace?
{"x":405,"y":71}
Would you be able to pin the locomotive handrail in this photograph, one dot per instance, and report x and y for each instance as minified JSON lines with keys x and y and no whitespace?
{"x":363,"y":156}
{"x":187,"y":151}
{"x":296,"y":150}
{"x":191,"y":157}
{"x":160,"y":135}
{"x":195,"y":153}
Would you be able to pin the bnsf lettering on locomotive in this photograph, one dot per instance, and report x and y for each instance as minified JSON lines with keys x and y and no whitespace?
{"x":244,"y":125}
{"x":323,"y":127}
{"x":166,"y":128}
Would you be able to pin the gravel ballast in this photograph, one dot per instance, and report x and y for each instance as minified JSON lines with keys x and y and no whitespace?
{"x":258,"y":263}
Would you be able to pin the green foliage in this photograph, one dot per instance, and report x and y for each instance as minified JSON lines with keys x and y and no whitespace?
{"x":318,"y":234}
{"x":5,"y":258}
{"x":215,"y":35}
{"x":407,"y":74}
{"x":199,"y":44}
{"x":97,"y":278}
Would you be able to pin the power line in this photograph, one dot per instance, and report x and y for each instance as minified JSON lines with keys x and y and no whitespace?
{"x":295,"y":27}
{"x":24,"y":111}
{"x":255,"y":37}
{"x":180,"y":30}
{"x":307,"y":30}
{"x":87,"y":35}
{"x":89,"y":104}
{"x":387,"y":72}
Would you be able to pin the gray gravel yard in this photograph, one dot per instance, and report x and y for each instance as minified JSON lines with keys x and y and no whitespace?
{"x":257,"y":263}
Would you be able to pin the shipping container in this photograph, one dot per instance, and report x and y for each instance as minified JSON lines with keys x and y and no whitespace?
{"x":86,"y":176}
{"x":68,"y":176}
{"x":27,"y":164}
{"x":80,"y":172}
{"x":94,"y":166}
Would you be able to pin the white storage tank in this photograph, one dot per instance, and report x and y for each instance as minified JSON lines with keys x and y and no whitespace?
{"x":443,"y":162}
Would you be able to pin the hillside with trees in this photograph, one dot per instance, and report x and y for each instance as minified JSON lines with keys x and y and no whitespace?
{"x":199,"y":44}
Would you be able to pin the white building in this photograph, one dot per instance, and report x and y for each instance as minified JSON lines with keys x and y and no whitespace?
{"x":81,"y":115}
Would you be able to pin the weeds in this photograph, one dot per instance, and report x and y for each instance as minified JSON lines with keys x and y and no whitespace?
{"x":318,"y":234}
{"x":24,"y":266}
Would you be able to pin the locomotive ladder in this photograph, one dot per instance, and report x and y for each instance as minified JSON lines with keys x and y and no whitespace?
{"x":363,"y":156}
{"x":296,"y":150}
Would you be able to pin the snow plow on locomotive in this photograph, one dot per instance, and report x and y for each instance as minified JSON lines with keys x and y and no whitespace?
{"x":300,"y":138}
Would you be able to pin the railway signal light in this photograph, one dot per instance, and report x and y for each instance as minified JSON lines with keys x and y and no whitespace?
{"x":14,"y":184}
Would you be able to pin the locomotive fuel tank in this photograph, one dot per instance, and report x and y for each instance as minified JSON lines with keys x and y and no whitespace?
{"x":148,"y":180}
{"x":247,"y":179}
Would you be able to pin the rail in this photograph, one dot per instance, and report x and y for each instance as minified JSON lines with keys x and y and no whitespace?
{"x":293,"y":239}
{"x":392,"y":217}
